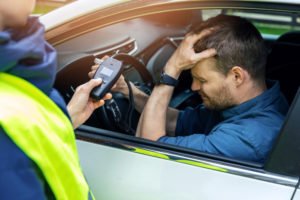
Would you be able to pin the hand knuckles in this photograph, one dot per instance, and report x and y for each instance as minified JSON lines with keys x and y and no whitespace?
{"x":81,"y":88}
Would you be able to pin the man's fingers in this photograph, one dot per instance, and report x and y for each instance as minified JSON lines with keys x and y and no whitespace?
{"x":105,"y":57}
{"x":206,"y":32}
{"x":107,"y":96}
{"x":91,"y":73}
{"x":98,"y":61}
{"x":205,"y":54}
{"x":94,"y":67}
{"x":192,"y":38}
{"x":99,"y":103}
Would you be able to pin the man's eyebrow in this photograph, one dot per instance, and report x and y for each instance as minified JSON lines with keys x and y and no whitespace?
{"x":196,"y":76}
{"x":192,"y":74}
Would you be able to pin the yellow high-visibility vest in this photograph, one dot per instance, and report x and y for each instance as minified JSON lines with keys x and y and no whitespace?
{"x":44,"y":133}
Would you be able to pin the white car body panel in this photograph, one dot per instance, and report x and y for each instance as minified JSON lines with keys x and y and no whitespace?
{"x":297,"y":196}
{"x":116,"y":174}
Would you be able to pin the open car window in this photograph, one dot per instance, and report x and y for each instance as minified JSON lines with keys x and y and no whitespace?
{"x":76,"y":55}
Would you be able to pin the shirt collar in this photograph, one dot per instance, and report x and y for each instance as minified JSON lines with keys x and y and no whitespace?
{"x":262,"y":100}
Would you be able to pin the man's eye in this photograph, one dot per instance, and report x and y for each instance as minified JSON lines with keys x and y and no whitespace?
{"x":202,"y":81}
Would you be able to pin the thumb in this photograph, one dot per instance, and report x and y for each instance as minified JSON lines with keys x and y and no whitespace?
{"x":91,"y":84}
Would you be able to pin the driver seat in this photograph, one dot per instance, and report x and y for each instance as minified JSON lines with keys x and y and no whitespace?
{"x":283,"y":63}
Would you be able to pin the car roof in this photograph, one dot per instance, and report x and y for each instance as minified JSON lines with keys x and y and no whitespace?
{"x":74,"y":10}
{"x":82,"y":7}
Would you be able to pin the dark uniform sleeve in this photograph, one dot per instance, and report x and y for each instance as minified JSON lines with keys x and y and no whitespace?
{"x":18,"y":174}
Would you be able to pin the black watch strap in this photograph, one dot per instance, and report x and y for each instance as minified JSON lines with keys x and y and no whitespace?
{"x":167,"y":80}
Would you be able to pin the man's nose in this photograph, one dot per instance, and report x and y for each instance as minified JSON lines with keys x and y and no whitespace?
{"x":195,"y":86}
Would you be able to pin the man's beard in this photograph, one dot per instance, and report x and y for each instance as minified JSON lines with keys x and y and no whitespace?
{"x":221,"y":101}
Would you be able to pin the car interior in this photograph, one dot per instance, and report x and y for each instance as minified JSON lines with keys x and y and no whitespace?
{"x":144,"y":45}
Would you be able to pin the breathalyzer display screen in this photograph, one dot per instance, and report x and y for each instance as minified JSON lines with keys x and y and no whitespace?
{"x":107,"y":72}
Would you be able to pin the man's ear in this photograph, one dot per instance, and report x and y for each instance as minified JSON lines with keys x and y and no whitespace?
{"x":238,"y":74}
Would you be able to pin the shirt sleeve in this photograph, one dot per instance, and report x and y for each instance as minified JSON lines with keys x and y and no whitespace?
{"x":196,"y":120}
{"x":222,"y":141}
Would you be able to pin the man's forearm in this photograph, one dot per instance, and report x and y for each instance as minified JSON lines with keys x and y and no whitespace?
{"x":152,"y":123}
{"x":140,"y":100}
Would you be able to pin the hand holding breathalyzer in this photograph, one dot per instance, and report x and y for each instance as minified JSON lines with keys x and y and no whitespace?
{"x":109,"y":71}
{"x":81,"y":106}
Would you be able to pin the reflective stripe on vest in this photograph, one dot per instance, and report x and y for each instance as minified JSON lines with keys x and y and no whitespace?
{"x":44,"y":133}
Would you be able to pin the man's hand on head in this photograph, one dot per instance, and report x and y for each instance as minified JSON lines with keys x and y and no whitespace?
{"x":185,"y":56}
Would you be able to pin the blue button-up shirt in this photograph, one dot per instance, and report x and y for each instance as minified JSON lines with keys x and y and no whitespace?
{"x":245,"y":132}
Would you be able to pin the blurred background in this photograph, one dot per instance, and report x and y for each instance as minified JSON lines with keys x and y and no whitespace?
{"x":44,"y":6}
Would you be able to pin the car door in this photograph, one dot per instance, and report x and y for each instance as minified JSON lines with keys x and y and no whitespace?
{"x":116,"y":168}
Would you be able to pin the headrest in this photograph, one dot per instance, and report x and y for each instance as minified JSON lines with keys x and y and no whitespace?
{"x":283,"y":63}
{"x":293,"y":37}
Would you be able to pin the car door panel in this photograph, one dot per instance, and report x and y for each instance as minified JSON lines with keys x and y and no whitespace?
{"x":119,"y":174}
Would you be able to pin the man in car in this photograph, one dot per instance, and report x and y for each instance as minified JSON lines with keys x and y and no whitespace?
{"x":241,"y":113}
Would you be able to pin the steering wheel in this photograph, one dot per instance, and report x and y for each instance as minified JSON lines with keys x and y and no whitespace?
{"x":112,"y":113}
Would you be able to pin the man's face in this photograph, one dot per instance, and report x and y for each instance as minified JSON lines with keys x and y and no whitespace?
{"x":214,"y":87}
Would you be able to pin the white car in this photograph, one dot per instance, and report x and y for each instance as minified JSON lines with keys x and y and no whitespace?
{"x":120,"y":166}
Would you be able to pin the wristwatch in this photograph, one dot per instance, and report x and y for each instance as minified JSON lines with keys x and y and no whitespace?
{"x":167,"y":80}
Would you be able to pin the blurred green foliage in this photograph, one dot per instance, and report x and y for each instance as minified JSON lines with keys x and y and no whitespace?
{"x":45,"y":6}
{"x":274,"y":29}
{"x":42,"y":9}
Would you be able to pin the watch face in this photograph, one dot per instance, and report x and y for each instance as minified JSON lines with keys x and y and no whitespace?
{"x":161,"y":76}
